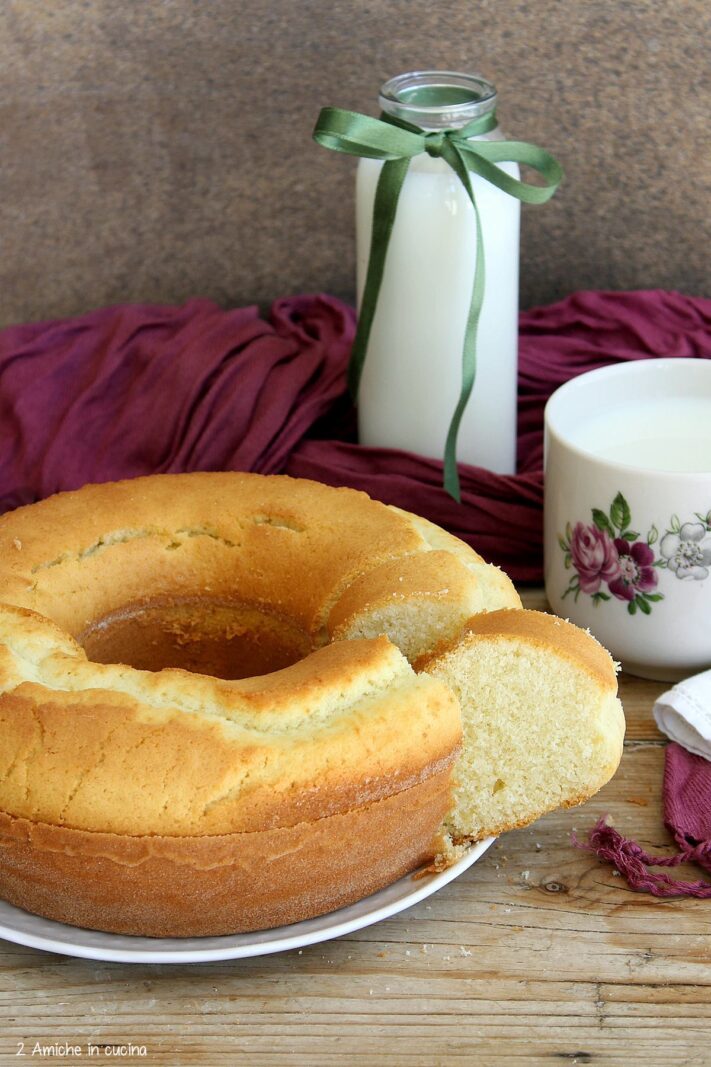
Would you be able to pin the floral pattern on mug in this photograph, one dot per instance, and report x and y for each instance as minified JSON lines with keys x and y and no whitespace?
{"x":686,"y":549}
{"x":610,"y":560}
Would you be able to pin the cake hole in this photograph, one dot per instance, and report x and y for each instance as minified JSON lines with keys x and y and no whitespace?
{"x":225,"y":639}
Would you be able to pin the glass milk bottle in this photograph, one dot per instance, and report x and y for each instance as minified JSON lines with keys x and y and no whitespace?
{"x":412,"y":374}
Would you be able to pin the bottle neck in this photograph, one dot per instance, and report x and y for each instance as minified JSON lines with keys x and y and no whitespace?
{"x":438,"y":100}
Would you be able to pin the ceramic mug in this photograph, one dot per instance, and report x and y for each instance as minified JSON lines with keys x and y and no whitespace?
{"x":628,"y":512}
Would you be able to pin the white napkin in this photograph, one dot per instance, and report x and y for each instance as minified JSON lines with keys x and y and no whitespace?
{"x":684,"y":714}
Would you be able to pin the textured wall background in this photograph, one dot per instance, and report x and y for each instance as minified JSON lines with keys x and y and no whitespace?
{"x":159,"y":149}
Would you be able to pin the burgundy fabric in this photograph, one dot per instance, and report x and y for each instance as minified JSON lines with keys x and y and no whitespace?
{"x":138,"y":389}
{"x":687,"y":797}
{"x":687,"y":816}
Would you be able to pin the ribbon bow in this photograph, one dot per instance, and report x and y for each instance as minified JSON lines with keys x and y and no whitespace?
{"x":396,"y":142}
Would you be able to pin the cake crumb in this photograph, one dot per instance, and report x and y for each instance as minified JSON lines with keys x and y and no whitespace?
{"x":17,"y":543}
{"x":464,"y":951}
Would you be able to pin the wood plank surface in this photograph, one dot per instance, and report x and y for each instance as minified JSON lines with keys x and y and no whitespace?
{"x":538,"y":954}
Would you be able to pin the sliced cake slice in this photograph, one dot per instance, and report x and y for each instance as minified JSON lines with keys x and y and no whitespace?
{"x":543,"y":727}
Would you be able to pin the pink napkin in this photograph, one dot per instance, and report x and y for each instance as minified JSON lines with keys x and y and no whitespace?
{"x":687,"y":815}
{"x":138,"y":389}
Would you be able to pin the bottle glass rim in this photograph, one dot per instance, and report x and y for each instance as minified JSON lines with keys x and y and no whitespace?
{"x":437,"y":99}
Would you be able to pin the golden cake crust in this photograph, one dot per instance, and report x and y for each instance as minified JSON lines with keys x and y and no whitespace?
{"x":207,"y":534}
{"x":536,"y":628}
{"x":206,"y":886}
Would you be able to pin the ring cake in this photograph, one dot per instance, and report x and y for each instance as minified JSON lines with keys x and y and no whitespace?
{"x":230,"y":702}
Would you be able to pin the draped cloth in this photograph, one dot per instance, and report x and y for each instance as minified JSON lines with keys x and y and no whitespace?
{"x":142,"y":389}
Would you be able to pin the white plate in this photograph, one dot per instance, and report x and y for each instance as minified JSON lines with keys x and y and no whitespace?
{"x":31,"y":930}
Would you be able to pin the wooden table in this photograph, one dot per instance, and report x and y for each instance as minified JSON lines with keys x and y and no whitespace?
{"x":538,"y":954}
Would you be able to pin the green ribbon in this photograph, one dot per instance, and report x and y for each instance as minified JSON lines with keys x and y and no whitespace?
{"x":396,"y":142}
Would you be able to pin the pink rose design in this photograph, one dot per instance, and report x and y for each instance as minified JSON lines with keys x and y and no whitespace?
{"x":636,"y":570}
{"x":594,"y":557}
